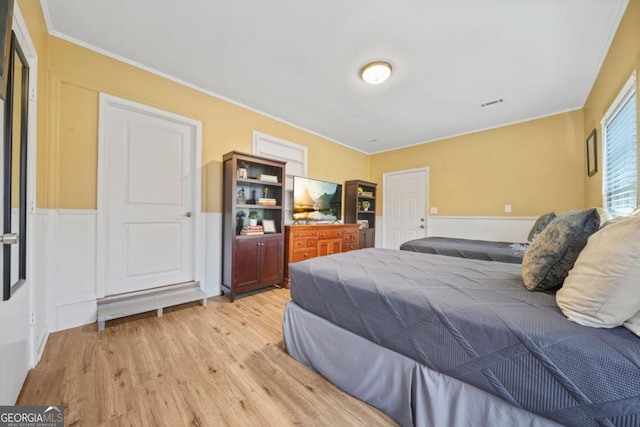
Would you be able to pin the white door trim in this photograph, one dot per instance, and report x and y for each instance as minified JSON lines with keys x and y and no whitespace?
{"x":28,"y":48}
{"x":386,"y":202}
{"x":103,"y":178}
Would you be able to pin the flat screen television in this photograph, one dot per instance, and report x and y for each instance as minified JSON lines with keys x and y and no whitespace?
{"x":316,"y":200}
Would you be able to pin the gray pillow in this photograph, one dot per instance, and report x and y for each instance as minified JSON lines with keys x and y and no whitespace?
{"x":540,"y":225}
{"x":552,"y":254}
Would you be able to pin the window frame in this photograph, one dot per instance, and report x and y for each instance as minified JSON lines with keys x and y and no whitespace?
{"x":628,"y":90}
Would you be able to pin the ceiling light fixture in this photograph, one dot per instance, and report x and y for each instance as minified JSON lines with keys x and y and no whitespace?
{"x":376,"y":72}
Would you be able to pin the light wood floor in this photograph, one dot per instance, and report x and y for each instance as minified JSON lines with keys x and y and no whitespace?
{"x":224,"y":364}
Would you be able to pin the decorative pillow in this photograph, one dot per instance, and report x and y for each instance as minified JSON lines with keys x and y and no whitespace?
{"x":552,"y":254}
{"x":540,"y":225}
{"x":603,"y":289}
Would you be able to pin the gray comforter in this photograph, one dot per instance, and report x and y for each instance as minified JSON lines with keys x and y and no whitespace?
{"x":474,"y":321}
{"x":466,"y":248}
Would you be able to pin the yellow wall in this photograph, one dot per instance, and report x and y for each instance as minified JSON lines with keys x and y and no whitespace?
{"x":621,"y":60}
{"x":40,"y":37}
{"x":68,"y":142}
{"x":534,"y":166}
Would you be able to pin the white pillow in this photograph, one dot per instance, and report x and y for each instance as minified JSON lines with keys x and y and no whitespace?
{"x":633,"y":324}
{"x":603,"y":288}
{"x":604,"y":215}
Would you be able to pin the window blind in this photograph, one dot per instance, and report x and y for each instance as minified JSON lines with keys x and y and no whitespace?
{"x":621,"y":168}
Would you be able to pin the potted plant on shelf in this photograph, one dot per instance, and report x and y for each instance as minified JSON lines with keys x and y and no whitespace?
{"x":253,"y":218}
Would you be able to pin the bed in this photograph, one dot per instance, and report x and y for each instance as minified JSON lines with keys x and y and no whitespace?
{"x":486,"y":250}
{"x":438,"y":340}
{"x":467,"y":248}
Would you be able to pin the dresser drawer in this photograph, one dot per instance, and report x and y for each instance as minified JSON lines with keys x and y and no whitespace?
{"x":302,"y":255}
{"x":329,"y":234}
{"x":309,"y":242}
{"x":303,"y":233}
{"x":350,"y":247}
{"x":346,"y":238}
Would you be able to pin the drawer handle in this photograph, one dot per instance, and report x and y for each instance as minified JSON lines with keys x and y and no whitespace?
{"x":306,"y":254}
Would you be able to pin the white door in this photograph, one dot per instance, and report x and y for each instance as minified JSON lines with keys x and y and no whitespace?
{"x":405,"y":206}
{"x":149,"y":199}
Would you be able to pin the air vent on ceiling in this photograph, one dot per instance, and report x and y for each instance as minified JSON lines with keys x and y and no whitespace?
{"x":495,"y":101}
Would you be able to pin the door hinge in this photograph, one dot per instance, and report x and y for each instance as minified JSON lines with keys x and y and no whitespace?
{"x":32,"y":318}
{"x":32,"y":94}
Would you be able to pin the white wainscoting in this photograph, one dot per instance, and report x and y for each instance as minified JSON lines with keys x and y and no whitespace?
{"x":213,"y":251}
{"x":500,"y":229}
{"x":43,"y":297}
{"x":67,"y":246}
{"x":66,"y":256}
{"x":72,"y":250}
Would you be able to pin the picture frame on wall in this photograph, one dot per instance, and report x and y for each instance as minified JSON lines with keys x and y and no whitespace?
{"x":592,"y":154}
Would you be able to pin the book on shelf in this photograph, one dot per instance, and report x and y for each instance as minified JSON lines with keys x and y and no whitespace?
{"x":269,"y":178}
{"x":266,"y":201}
{"x":366,"y":193}
{"x":249,"y":230}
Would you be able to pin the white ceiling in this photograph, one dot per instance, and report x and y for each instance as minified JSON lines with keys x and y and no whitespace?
{"x":298,"y":61}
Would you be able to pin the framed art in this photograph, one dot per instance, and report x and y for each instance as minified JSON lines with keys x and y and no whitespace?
{"x":364,"y":223}
{"x":269,"y":225}
{"x":592,"y":154}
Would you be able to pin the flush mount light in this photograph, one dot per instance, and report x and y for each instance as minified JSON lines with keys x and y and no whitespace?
{"x":376,"y":72}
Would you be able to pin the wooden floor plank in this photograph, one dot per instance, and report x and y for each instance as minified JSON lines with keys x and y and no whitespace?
{"x":220,"y":365}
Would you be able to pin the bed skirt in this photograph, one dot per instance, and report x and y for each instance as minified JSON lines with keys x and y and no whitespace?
{"x":404,"y":389}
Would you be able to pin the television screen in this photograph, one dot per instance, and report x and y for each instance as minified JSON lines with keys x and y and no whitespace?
{"x":315,"y":200}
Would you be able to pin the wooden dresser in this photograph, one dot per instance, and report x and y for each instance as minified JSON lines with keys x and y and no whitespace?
{"x":310,"y":241}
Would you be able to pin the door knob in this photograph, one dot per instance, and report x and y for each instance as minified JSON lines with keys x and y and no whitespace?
{"x":422,"y":219}
{"x":188,"y":214}
{"x":9,"y":239}
{"x":421,"y":225}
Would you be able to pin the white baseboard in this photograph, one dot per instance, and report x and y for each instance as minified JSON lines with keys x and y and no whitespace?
{"x":500,"y":229}
{"x":76,"y":314}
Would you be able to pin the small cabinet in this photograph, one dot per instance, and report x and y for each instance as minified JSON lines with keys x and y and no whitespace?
{"x":252,"y":254}
{"x":259,"y":260}
{"x":329,"y":247}
{"x":360,"y":207}
{"x":367,"y":238}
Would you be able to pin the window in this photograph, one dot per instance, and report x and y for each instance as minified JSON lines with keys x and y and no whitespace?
{"x":620,"y":147}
